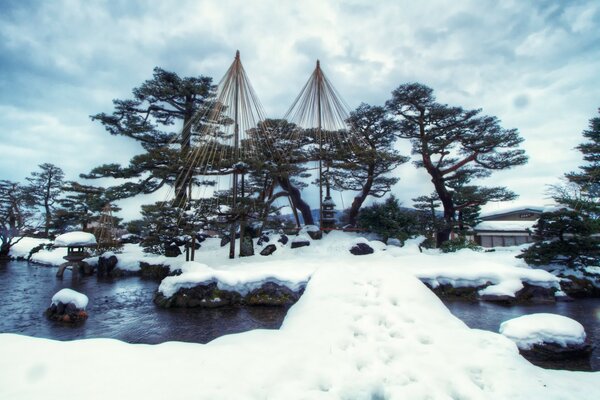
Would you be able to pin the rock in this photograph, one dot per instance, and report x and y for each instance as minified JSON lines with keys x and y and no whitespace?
{"x":535,"y":295}
{"x":205,"y":296}
{"x":361,"y":249}
{"x":299,"y":242}
{"x":497,"y":298}
{"x":271,"y":294}
{"x":65,"y":313}
{"x":463,"y":293}
{"x":225,"y":240}
{"x":106,"y":265}
{"x":555,"y":352}
{"x":263,"y":239}
{"x":156,"y":272}
{"x":579,"y":287}
{"x":313,"y":231}
{"x":201,"y":237}
{"x":172,"y":250}
{"x":268,"y":250}
{"x":530,"y":294}
{"x":247,"y":247}
{"x":283,"y":239}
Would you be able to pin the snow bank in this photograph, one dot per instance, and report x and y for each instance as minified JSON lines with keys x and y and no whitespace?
{"x":53,"y":257}
{"x":362,"y":330}
{"x":75,"y":239}
{"x":23,"y":247}
{"x":528,"y":330}
{"x":67,"y":296}
{"x":242,"y":280}
{"x":467,"y":268}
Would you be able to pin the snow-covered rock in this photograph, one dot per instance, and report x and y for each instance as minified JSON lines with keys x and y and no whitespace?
{"x":241,"y":281}
{"x":67,"y":296}
{"x":68,"y":306}
{"x":75,"y":239}
{"x":529,"y":330}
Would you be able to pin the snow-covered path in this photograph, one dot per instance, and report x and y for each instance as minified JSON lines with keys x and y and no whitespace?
{"x":360,"y":331}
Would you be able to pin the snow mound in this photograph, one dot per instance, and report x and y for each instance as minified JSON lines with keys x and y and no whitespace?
{"x":22,"y":246}
{"x":75,"y":239}
{"x":242,"y":281}
{"x":528,"y":330}
{"x":67,"y":296}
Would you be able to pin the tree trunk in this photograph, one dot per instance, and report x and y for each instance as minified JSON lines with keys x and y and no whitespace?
{"x":184,"y":177}
{"x":296,"y":197}
{"x":48,"y":218}
{"x":4,"y":250}
{"x":449,"y":213}
{"x":47,"y":206}
{"x":360,"y":198}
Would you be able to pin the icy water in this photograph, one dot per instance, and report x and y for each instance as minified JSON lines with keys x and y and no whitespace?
{"x":489,"y":316}
{"x":118,"y":309}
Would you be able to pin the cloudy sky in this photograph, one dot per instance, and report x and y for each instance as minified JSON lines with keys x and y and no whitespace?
{"x":533,"y":64}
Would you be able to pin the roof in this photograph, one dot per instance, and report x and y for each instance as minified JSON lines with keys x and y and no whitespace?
{"x":511,"y":210}
{"x":505,"y":226}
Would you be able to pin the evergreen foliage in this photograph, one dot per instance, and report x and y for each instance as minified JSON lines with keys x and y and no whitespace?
{"x":45,"y":189}
{"x":570,"y":236}
{"x":458,"y":243}
{"x":388,"y":220}
{"x":564,"y":237}
{"x":158,"y":106}
{"x":80,"y":205}
{"x":453,"y":144}
{"x":16,"y":214}
{"x":364,"y":165}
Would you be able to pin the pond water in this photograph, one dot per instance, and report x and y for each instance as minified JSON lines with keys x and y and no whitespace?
{"x":489,"y":316}
{"x":118,"y":309}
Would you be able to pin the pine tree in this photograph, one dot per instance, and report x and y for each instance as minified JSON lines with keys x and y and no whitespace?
{"x":569,"y":236}
{"x":45,"y":189}
{"x":160,"y":105}
{"x":80,"y":205}
{"x":364,"y":165}
{"x":452,"y":143}
{"x":16,"y":215}
{"x":388,"y":220}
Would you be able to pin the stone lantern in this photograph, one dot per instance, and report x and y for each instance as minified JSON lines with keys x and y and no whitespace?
{"x":76,"y":244}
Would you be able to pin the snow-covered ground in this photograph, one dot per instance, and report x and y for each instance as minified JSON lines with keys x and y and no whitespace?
{"x":365,"y":328}
{"x":531,"y":329}
{"x":465,"y":268}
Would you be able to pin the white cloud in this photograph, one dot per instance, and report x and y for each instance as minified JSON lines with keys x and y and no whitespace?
{"x":532,"y":64}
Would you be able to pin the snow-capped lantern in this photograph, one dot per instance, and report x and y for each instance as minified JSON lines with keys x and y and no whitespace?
{"x":76,"y":244}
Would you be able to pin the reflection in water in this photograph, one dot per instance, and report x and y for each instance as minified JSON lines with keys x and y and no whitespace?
{"x":489,"y":316}
{"x":119,"y":309}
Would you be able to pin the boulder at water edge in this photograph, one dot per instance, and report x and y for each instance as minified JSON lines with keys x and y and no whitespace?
{"x":547,"y":337}
{"x":68,"y":306}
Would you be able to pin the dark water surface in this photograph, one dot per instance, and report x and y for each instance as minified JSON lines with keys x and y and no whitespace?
{"x":118,"y":309}
{"x":489,"y":316}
